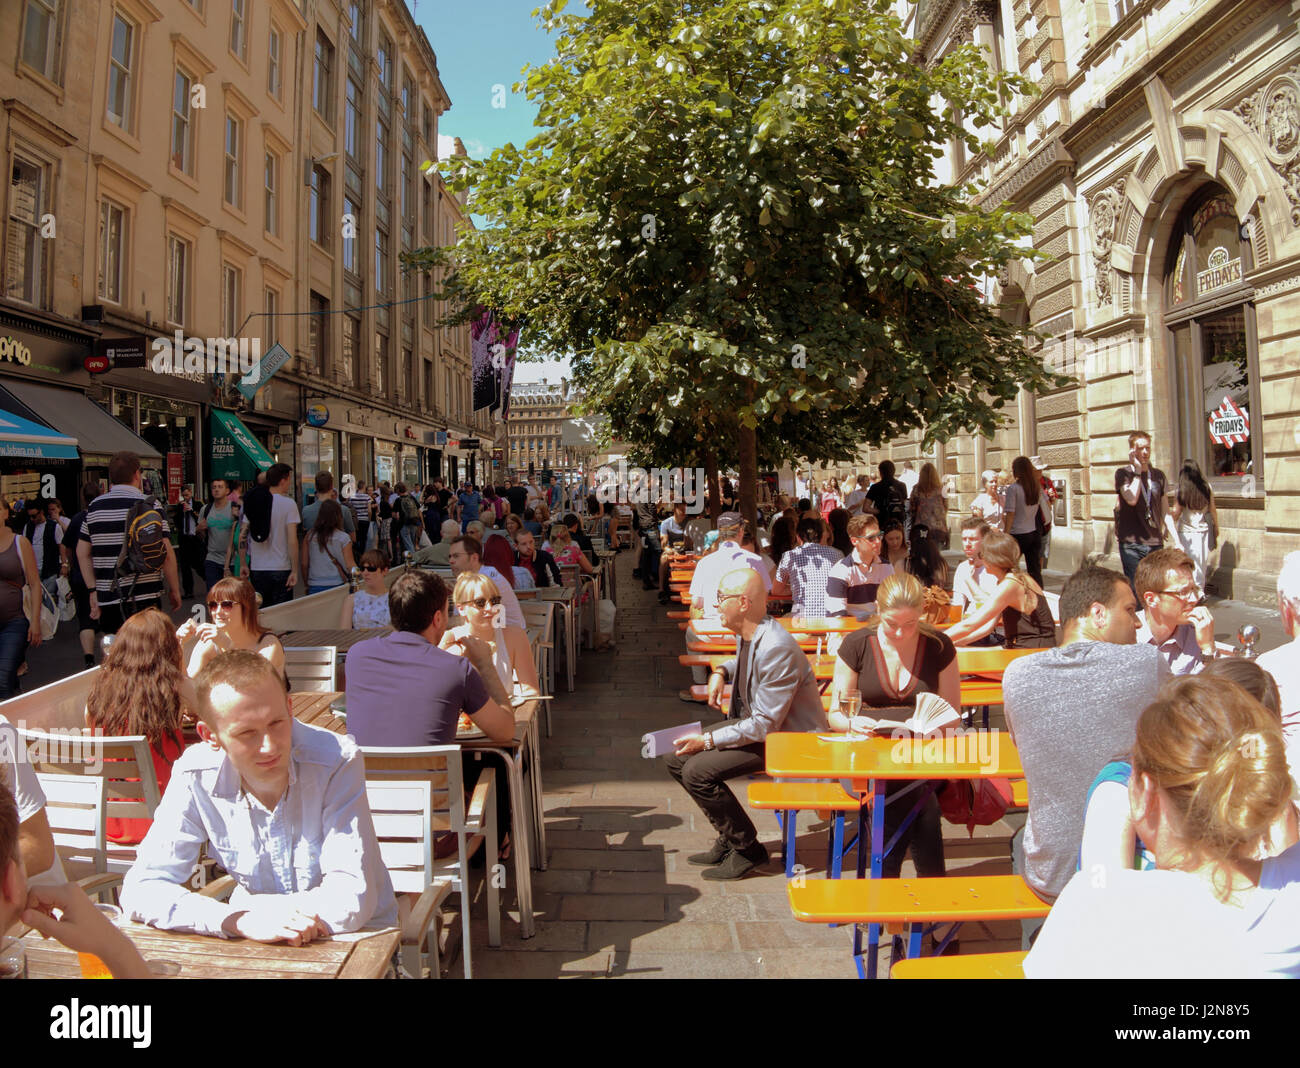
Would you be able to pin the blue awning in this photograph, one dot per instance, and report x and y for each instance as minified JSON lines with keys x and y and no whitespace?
{"x":22,"y":439}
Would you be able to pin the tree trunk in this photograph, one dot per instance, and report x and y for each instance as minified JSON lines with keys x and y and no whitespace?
{"x":748,"y":467}
{"x":711,"y":478}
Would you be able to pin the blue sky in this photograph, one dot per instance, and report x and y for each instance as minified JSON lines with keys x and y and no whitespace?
{"x":482,"y":44}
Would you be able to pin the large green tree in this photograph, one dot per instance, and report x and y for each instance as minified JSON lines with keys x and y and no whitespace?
{"x":731,"y":218}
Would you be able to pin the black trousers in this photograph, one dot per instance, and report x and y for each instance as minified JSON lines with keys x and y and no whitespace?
{"x":924,"y":837}
{"x":704,"y":776}
{"x":191,"y":555}
{"x":1031,"y":545}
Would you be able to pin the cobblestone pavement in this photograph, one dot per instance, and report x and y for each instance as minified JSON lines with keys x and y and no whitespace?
{"x":618,"y":898}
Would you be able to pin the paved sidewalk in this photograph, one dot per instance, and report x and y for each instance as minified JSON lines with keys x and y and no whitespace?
{"x":619,"y":898}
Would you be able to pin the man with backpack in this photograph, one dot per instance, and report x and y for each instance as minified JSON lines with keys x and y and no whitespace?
{"x":407,"y":509}
{"x":270,"y":536}
{"x":888,"y":496}
{"x":124,"y":553}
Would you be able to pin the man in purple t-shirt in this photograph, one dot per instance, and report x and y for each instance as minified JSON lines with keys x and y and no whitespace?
{"x":404,"y":691}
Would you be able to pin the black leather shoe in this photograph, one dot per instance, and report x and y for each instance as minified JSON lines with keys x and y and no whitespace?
{"x":737,"y":865}
{"x":716,"y":855}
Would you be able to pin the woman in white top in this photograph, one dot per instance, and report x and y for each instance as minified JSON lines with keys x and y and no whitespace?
{"x":478,"y":600}
{"x":327,"y":550}
{"x":988,"y":505}
{"x":1022,"y":502}
{"x":1193,"y":520}
{"x":1209,"y":782}
{"x":368,"y":607}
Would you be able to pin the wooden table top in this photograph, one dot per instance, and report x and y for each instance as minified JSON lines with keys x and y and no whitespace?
{"x":340,"y":639}
{"x":975,"y":755}
{"x":363,"y":955}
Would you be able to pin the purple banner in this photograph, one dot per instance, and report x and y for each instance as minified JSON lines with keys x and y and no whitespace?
{"x":492,"y":350}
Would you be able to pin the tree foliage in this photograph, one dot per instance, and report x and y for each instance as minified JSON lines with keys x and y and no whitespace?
{"x":730,"y":218}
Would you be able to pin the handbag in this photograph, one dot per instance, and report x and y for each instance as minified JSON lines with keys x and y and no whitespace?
{"x":67,"y":603}
{"x":335,"y":561}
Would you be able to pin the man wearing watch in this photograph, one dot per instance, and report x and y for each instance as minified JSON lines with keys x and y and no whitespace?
{"x":773,"y":689}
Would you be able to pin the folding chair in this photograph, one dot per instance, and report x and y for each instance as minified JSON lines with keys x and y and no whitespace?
{"x":312,"y":667}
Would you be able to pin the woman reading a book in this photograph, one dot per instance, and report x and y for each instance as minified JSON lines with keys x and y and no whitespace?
{"x":892,"y":662}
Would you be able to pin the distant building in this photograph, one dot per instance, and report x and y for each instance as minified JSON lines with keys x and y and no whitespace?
{"x":537,"y":412}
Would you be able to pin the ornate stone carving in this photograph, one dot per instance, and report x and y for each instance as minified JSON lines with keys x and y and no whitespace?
{"x":985,"y":11}
{"x":1274,"y":114}
{"x":1103,"y":220}
{"x":963,"y":26}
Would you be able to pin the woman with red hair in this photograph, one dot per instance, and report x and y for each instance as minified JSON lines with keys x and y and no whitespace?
{"x":142,"y":689}
{"x":232,"y":607}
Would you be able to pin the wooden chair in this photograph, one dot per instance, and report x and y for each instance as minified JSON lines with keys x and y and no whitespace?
{"x":123,"y":763}
{"x":416,"y":794}
{"x":540,"y":615}
{"x":312,"y":667}
{"x":74,"y":807}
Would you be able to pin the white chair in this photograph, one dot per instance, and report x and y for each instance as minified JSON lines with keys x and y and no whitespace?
{"x":312,"y":667}
{"x":123,"y":763}
{"x":414,"y":794}
{"x":74,"y":808}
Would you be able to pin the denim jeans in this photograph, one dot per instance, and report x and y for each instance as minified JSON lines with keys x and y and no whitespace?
{"x":271,"y":585}
{"x":1131,"y":554}
{"x":408,"y":537}
{"x":13,"y":647}
{"x":213,"y":572}
{"x":322,"y":589}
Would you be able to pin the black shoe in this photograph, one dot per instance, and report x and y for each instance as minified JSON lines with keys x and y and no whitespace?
{"x":664,"y":598}
{"x":636,"y":572}
{"x":738,"y":864}
{"x":716,"y":855}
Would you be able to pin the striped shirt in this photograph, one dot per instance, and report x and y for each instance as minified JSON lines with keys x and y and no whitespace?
{"x":851,"y":586}
{"x":105,"y":528}
{"x":361,"y":503}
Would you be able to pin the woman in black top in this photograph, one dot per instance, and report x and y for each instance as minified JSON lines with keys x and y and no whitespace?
{"x":839,"y":524}
{"x":1017,"y":605}
{"x":890,"y":662}
{"x":924,"y":560}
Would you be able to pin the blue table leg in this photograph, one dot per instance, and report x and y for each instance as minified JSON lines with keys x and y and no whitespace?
{"x":837,"y":847}
{"x":791,"y":832}
{"x":877,"y":868}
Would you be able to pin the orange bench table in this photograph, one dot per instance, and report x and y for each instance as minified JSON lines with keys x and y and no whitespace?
{"x":970,"y":966}
{"x":787,"y":799}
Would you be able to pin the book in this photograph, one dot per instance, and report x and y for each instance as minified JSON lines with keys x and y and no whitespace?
{"x":932,"y":713}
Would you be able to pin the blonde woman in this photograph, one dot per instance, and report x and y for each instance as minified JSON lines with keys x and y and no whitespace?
{"x":891,"y":661}
{"x":478,"y":600}
{"x":1017,"y":604}
{"x":1209,"y":780}
{"x":928,"y":506}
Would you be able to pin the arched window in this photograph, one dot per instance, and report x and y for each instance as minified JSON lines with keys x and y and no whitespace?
{"x":1210,"y":319}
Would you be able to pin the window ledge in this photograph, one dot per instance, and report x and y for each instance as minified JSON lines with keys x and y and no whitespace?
{"x":31,"y":73}
{"x":234,"y":212}
{"x":122,"y":135}
{"x":176,"y":172}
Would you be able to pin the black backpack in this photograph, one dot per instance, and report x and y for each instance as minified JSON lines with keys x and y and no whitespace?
{"x":144,"y":546}
{"x":257,"y":508}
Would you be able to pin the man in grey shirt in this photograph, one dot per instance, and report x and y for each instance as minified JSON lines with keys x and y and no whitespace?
{"x":773,"y":689}
{"x":1072,"y":709}
{"x":325,"y":491}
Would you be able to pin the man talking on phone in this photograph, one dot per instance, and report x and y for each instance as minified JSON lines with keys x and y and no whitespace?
{"x":1140,"y":513}
{"x":772,"y":689}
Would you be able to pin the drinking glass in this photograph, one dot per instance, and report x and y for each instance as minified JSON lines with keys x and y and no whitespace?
{"x":13,"y":959}
{"x":91,"y":966}
{"x":850,"y":706}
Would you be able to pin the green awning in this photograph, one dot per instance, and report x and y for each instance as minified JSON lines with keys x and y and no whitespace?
{"x":236,"y":453}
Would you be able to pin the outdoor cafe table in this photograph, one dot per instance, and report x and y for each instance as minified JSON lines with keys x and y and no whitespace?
{"x":868,"y":763}
{"x":362,"y":955}
{"x":314,"y":709}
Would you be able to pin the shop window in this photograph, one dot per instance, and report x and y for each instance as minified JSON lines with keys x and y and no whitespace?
{"x":1210,"y":324}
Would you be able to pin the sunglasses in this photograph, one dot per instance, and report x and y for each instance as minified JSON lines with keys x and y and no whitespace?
{"x":869,"y":537}
{"x":227,"y":606}
{"x":369,"y":567}
{"x":480,"y":602}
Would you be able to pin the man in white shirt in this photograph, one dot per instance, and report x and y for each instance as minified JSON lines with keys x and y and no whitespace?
{"x":273,"y":563}
{"x":1172,"y":621}
{"x":852,"y":584}
{"x":909,"y":478}
{"x":466,"y":554}
{"x":1283,"y":663}
{"x":35,"y":840}
{"x":282,"y":807}
{"x":973,"y":583}
{"x":726,"y":556}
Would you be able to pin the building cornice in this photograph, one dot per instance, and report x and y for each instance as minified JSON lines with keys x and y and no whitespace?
{"x":52,"y":130}
{"x":1049,"y":163}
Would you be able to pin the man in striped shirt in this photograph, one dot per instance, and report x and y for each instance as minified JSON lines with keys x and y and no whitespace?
{"x":852,"y":584}
{"x":102,"y":534}
{"x":363,"y":508}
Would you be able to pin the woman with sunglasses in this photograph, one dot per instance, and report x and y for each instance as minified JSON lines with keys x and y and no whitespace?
{"x":232,"y":609}
{"x":478,"y":600}
{"x":368,"y":607}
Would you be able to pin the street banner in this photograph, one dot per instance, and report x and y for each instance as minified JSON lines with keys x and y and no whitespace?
{"x":492,"y":351}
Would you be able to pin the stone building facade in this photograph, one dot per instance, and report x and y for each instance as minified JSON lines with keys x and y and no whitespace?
{"x":1160,"y":160}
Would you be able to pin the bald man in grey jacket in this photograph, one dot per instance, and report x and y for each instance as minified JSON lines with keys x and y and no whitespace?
{"x":773,"y":689}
